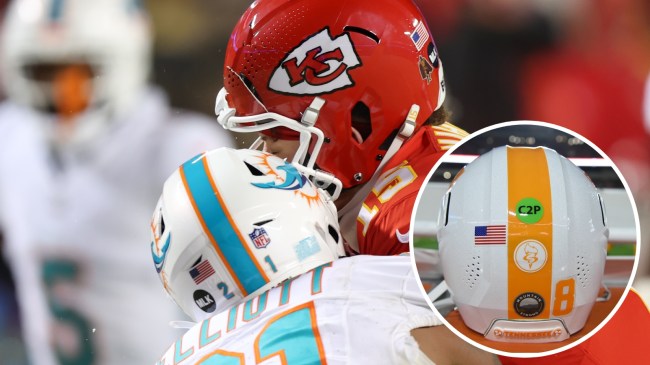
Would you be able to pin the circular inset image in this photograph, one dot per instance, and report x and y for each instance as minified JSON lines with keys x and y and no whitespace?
{"x":525,"y":238}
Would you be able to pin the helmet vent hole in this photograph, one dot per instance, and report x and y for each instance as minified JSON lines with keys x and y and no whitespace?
{"x":364,"y":32}
{"x":447,"y":211}
{"x":602,"y":210}
{"x":361,"y":125}
{"x":332,"y":231}
{"x":249,"y":85}
{"x":472,"y":271}
{"x":162,"y":224}
{"x":583,"y":271}
{"x":261,"y":223}
{"x":253,"y":170}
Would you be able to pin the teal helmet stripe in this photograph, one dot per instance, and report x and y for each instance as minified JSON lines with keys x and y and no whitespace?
{"x":215,"y":217}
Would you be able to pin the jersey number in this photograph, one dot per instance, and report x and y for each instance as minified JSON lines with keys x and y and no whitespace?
{"x":395,"y":180}
{"x":304,"y":346}
{"x":564,"y":296}
{"x":57,"y":274}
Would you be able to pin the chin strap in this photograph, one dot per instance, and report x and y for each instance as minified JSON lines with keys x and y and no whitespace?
{"x":405,"y":132}
{"x":442,"y":304}
{"x":348,"y":213}
{"x":438,"y":291}
{"x":309,"y":118}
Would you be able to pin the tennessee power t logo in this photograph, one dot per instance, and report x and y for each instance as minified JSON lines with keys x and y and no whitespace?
{"x":318,"y":65}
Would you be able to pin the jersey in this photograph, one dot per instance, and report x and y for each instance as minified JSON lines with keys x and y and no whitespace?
{"x":377,"y":221}
{"x":356,"y":310}
{"x":75,"y":225}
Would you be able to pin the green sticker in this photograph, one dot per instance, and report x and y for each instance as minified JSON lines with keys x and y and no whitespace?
{"x":529,"y":210}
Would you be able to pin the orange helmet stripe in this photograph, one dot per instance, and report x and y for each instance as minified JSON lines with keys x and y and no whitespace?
{"x":530,"y":234}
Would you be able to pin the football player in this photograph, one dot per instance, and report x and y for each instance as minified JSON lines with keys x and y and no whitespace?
{"x":358,"y":87}
{"x":249,"y":248}
{"x":85,"y":145}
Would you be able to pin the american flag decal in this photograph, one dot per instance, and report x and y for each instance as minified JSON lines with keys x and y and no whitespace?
{"x":201,"y":271}
{"x":490,"y":235}
{"x":420,"y":36}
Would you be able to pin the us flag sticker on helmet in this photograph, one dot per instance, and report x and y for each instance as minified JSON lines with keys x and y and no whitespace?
{"x":420,"y":36}
{"x":201,"y":271}
{"x":318,"y":65}
{"x":490,"y":235}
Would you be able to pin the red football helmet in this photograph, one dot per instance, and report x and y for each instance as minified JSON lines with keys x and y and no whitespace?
{"x":349,"y":72}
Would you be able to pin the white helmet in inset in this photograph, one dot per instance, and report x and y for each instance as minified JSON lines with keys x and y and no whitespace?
{"x":110,"y":38}
{"x":231,"y":224}
{"x":523,"y":239}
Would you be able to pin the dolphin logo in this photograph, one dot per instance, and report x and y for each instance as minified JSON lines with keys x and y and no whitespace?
{"x":160,"y":260}
{"x":294,"y":180}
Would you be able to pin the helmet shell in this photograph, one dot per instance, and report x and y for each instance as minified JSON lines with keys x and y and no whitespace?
{"x":523,"y":241}
{"x":374,"y":58}
{"x":233,"y":223}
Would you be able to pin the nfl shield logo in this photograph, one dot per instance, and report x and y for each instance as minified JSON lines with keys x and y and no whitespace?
{"x":259,"y":237}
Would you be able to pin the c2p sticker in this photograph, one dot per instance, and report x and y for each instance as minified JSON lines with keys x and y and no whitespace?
{"x":529,"y":210}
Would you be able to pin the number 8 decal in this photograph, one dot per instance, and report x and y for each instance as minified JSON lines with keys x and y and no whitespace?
{"x":564,"y":297}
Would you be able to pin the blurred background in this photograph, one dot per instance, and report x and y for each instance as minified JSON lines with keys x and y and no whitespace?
{"x":581,"y":64}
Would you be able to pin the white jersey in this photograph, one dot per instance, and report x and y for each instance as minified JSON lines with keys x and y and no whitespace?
{"x":357,"y":310}
{"x":76,"y":229}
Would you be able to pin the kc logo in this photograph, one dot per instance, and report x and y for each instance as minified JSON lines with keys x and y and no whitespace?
{"x":318,"y":65}
{"x":313,"y":66}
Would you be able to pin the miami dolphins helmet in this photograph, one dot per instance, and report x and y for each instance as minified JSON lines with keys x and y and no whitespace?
{"x":231,"y":224}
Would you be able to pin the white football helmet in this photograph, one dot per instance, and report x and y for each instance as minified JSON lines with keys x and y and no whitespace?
{"x":523,"y":239}
{"x":231,"y":224}
{"x":111,"y":37}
